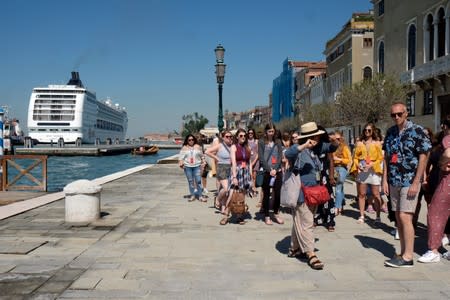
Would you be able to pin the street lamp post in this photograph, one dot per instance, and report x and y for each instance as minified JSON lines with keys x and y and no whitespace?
{"x":220,"y":74}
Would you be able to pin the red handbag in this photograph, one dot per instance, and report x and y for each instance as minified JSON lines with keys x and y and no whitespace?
{"x":315,"y":195}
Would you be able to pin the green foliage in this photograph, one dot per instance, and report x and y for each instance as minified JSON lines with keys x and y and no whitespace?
{"x":287,"y":125}
{"x":193,"y":123}
{"x":369,"y":100}
{"x":323,"y":114}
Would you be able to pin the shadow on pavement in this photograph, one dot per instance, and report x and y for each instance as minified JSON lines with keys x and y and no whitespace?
{"x":380,"y":245}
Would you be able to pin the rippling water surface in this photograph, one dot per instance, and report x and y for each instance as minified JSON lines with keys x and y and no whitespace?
{"x":63,"y":170}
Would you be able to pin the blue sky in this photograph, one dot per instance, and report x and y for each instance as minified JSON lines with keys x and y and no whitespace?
{"x":156,"y":57}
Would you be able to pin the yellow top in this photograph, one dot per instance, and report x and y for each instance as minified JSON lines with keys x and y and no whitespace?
{"x":342,"y":152}
{"x":371,"y":153}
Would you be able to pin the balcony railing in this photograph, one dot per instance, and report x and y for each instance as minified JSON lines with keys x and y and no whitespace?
{"x":428,"y":70}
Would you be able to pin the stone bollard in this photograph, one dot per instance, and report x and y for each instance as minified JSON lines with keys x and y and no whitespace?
{"x":78,"y":142}
{"x":82,"y":202}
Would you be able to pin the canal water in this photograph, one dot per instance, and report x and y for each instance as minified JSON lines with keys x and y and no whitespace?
{"x":61,"y":170}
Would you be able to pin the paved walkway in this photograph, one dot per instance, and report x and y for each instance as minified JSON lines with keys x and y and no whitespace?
{"x":153,"y":244}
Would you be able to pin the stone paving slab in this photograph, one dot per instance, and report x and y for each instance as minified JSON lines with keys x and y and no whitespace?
{"x":153,"y":244}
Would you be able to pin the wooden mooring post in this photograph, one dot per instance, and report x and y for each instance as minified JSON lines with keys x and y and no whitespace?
{"x":11,"y":162}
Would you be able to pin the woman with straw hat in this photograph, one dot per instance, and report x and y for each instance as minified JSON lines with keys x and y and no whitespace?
{"x":309,"y":167}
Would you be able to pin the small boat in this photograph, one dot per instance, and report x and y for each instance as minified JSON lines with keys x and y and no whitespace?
{"x":145,"y":150}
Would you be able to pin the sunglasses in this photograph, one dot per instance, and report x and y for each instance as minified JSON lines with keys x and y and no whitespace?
{"x":228,"y":136}
{"x":250,"y":133}
{"x":368,"y":130}
{"x":241,"y":135}
{"x":190,"y":140}
{"x":398,"y":114}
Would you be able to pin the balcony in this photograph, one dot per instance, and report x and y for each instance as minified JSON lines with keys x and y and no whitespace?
{"x":429,"y":70}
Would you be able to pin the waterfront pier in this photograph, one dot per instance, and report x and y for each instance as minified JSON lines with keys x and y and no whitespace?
{"x":89,"y":150}
{"x":151,"y":243}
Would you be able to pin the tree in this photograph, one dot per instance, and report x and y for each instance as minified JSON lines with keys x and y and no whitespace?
{"x":323,"y":114}
{"x":193,"y":123}
{"x":369,"y":100}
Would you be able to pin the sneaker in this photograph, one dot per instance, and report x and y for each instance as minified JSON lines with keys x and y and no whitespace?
{"x":429,"y":257}
{"x":370,"y":209}
{"x":192,"y":198}
{"x":384,"y":209}
{"x":399,"y":262}
{"x":445,"y":241}
{"x":205,"y":191}
{"x":446,"y":255}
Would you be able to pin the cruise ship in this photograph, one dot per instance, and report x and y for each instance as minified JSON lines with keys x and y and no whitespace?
{"x":73,"y":113}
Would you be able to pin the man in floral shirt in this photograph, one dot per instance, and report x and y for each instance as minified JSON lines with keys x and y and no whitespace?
{"x":406,"y":152}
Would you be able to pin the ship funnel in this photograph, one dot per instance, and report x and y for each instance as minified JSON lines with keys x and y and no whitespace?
{"x":75,"y":80}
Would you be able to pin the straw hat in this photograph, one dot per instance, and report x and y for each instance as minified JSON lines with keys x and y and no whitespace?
{"x":309,"y":129}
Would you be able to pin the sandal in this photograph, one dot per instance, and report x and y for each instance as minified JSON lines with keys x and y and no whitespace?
{"x":191,"y":199}
{"x":203,"y":199}
{"x":224,"y":221}
{"x":268,"y":221}
{"x":315,"y":263}
{"x":330,"y":228}
{"x":361,"y":220}
{"x":278,"y":219}
{"x":297,"y":253}
{"x":241,"y":221}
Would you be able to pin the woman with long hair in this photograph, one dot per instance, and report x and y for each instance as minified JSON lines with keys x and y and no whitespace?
{"x":241,"y":170}
{"x":367,"y":161}
{"x":221,"y":153}
{"x":270,"y":155}
{"x":252,"y":140}
{"x":342,"y":158}
{"x":190,"y":160}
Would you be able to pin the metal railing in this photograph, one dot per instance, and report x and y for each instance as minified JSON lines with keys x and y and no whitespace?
{"x":13,"y":166}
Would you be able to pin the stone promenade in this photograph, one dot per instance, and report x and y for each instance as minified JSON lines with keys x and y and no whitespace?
{"x":153,"y":244}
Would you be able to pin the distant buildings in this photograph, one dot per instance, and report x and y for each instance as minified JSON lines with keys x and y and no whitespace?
{"x":409,"y":39}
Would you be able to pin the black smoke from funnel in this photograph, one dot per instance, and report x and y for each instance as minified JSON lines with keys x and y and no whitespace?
{"x":75,"y":80}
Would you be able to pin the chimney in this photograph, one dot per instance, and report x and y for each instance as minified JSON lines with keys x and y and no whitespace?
{"x":75,"y":80}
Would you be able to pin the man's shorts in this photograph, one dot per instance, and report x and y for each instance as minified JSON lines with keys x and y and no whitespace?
{"x":400,"y":200}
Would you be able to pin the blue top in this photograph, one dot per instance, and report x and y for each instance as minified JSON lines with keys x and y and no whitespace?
{"x":308,"y":163}
{"x":402,"y":150}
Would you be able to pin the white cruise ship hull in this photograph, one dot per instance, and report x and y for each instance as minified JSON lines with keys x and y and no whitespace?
{"x":70,"y":112}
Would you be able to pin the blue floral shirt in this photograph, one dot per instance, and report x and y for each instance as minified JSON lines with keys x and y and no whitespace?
{"x":402,"y":152}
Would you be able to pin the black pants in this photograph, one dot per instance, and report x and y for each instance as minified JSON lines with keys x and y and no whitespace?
{"x":266,"y":191}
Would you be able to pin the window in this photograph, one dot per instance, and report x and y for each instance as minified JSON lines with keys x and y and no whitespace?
{"x":429,"y":35}
{"x":411,"y":47}
{"x":441,"y":33}
{"x":367,"y":43}
{"x":367,"y":73}
{"x":411,"y":104}
{"x":381,"y":58}
{"x":428,"y":102}
{"x":381,"y":8}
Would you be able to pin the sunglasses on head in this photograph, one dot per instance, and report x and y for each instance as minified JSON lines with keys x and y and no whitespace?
{"x":398,"y":114}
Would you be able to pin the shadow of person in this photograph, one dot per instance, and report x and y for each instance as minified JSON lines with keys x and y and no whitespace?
{"x":283,"y":245}
{"x":381,"y":246}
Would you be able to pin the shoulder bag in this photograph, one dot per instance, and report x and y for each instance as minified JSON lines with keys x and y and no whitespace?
{"x":317,"y":194}
{"x":290,"y":188}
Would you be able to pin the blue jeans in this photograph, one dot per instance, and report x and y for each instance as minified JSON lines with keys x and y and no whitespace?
{"x":340,"y":186}
{"x":194,"y":178}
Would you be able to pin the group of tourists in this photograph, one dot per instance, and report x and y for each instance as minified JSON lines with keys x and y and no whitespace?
{"x":395,"y":168}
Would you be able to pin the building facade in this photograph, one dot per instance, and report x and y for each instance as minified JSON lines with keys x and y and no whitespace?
{"x":412,"y":41}
{"x":349,"y":54}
